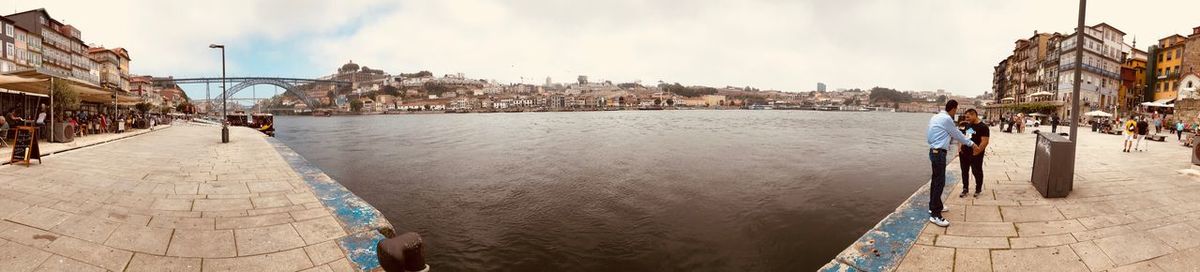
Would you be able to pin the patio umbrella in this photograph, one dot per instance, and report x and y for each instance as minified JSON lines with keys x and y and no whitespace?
{"x":1097,"y":114}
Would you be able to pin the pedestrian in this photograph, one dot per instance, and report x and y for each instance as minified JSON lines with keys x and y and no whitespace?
{"x":1054,"y":123}
{"x":939,"y":134}
{"x":1130,"y":128}
{"x":1157,"y":125}
{"x":1179,"y":130}
{"x":1142,"y":128}
{"x":970,"y":161}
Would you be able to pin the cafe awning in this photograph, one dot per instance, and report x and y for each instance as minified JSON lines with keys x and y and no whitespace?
{"x":37,"y":82}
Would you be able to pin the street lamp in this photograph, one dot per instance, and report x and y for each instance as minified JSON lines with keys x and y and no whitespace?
{"x":224,"y":96}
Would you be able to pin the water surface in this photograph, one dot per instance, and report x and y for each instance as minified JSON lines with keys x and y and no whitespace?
{"x":624,"y":191}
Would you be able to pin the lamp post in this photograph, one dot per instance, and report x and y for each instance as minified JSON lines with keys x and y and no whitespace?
{"x":1079,"y":32}
{"x":224,"y":96}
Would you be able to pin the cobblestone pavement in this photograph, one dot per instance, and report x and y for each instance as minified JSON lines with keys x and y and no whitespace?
{"x":1128,"y":212}
{"x":170,"y":200}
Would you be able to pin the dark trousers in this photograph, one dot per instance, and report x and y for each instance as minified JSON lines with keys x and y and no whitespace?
{"x":1179,"y":134}
{"x":1053,"y":128}
{"x":971,"y":164}
{"x":937,"y":158}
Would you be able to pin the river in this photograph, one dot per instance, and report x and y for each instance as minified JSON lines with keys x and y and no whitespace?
{"x":624,"y":191}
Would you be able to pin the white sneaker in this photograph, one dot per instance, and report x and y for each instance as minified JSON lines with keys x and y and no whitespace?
{"x":945,"y":208}
{"x":941,"y":222}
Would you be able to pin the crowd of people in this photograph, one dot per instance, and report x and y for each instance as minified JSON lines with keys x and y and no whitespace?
{"x":80,"y":123}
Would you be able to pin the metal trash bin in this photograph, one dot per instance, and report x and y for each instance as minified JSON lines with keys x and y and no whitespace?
{"x":1053,"y":165}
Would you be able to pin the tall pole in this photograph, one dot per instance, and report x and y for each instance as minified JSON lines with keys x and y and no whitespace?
{"x":225,"y":102}
{"x":1079,"y":48}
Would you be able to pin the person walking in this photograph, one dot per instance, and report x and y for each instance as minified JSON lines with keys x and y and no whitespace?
{"x":939,"y":134}
{"x":970,"y":161}
{"x":1130,"y":128}
{"x":1054,"y":123}
{"x":1143,"y":128}
{"x":1179,"y":130}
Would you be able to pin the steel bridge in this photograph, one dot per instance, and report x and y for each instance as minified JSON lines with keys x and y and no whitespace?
{"x":241,"y":83}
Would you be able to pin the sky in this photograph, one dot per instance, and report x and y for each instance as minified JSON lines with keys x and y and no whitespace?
{"x":787,"y":45}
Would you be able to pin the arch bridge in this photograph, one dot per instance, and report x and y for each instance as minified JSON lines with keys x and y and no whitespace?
{"x":290,"y":85}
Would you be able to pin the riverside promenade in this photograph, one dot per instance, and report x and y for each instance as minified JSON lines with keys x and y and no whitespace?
{"x":1135,"y":211}
{"x":176,"y":199}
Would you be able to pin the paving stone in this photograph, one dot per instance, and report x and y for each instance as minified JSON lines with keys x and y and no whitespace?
{"x":255,"y":241}
{"x":324,"y":252}
{"x":1179,"y":236}
{"x":1092,"y":255}
{"x":977,"y":213}
{"x":291,"y":260}
{"x":302,"y":198}
{"x":1042,"y":241}
{"x":85,"y":227}
{"x":927,"y":258}
{"x":60,"y":263}
{"x":302,"y":215}
{"x":151,"y":263}
{"x":972,"y":260}
{"x":1138,"y":267}
{"x":141,"y":239}
{"x":1030,"y":213}
{"x":971,"y":241}
{"x":8,"y":207}
{"x":202,"y":243}
{"x":269,"y":186}
{"x":25,"y":235}
{"x":342,"y":265}
{"x":319,"y":230}
{"x":171,"y":204}
{"x":183,"y":223}
{"x":253,"y":221}
{"x":1101,"y":233}
{"x":18,"y":257}
{"x":1027,"y":229}
{"x":1001,"y":229}
{"x":270,"y":201}
{"x":1060,"y":258}
{"x":1133,"y":247}
{"x":40,"y":217}
{"x":206,"y":205}
{"x":90,"y":253}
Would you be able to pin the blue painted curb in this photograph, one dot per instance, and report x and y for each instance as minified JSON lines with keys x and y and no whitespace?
{"x":365,"y":224}
{"x":884,"y":246}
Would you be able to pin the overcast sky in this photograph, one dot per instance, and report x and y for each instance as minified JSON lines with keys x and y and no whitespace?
{"x":784,"y":45}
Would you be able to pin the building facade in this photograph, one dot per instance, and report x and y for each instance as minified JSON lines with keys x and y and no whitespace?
{"x":1103,"y":53}
{"x":1168,"y":63}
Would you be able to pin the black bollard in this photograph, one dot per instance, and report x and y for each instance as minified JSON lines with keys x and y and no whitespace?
{"x":403,"y":253}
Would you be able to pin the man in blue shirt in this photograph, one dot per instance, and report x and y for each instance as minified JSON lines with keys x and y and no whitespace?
{"x":941,"y":130}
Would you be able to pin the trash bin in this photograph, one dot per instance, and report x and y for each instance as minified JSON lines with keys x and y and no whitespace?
{"x":1053,"y":165}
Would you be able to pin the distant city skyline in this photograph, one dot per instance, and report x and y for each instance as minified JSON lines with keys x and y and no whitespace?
{"x":788,"y":46}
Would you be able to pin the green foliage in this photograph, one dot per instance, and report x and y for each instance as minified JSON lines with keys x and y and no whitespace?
{"x":186,"y":107}
{"x":390,"y":90}
{"x":436,"y":89}
{"x":143,"y":107}
{"x":880,"y":94}
{"x":687,"y":91}
{"x":629,"y":85}
{"x":65,"y":97}
{"x":1041,"y":107}
{"x":356,"y":105}
{"x":417,"y":74}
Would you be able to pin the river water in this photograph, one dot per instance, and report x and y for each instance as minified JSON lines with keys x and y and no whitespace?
{"x":624,"y":191}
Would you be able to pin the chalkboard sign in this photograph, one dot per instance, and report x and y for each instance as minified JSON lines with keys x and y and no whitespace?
{"x":26,"y":146}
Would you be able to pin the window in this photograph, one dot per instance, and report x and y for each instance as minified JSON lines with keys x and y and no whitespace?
{"x":8,"y":50}
{"x":8,"y":30}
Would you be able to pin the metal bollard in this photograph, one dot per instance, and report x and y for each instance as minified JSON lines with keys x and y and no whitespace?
{"x":403,"y":253}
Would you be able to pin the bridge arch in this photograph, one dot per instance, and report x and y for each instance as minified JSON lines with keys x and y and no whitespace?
{"x":288,"y":88}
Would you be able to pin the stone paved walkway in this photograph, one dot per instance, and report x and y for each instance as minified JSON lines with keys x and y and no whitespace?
{"x":171,"y":200}
{"x":1128,"y":212}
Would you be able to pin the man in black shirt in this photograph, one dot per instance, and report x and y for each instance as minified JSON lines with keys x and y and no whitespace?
{"x":1142,"y":128}
{"x":970,"y":160}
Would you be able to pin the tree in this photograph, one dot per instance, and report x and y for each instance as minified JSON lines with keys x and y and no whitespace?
{"x":629,"y":85}
{"x":356,"y":105}
{"x":657,"y":101}
{"x":185,"y":107}
{"x":670,"y":102}
{"x":435,"y":88}
{"x":65,"y":97}
{"x":390,"y":90}
{"x":880,"y":94}
{"x":143,"y":107}
{"x":941,"y":99}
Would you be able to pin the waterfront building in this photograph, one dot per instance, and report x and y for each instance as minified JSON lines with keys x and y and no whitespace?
{"x":1190,"y":60}
{"x":63,"y":50}
{"x":8,"y":47}
{"x":1103,"y":53}
{"x":113,"y":66}
{"x":820,"y":87}
{"x":1133,"y":80}
{"x":1167,"y":66}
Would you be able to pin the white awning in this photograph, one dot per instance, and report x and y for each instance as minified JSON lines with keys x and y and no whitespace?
{"x":1165,"y":101}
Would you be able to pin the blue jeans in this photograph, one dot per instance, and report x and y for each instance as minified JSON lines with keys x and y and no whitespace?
{"x":937,"y":157}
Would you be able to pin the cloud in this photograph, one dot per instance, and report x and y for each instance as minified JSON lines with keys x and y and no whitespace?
{"x":785,"y":45}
